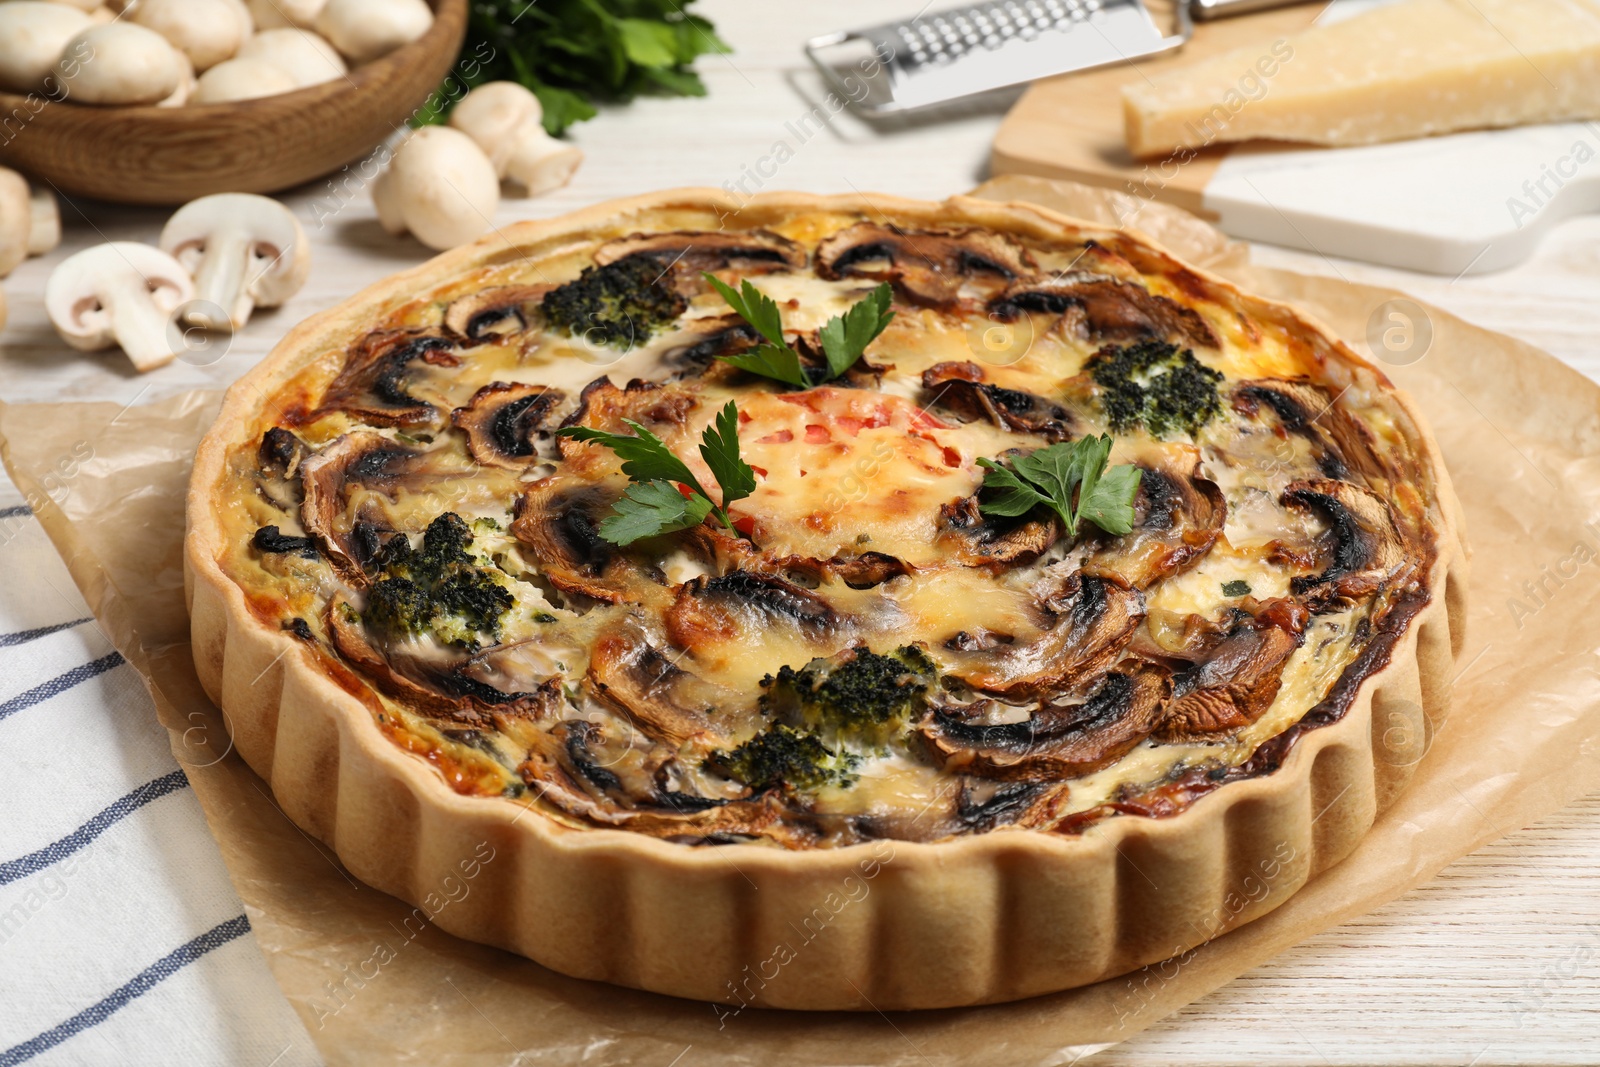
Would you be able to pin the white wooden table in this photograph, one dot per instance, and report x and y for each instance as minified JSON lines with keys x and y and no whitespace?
{"x":1496,"y":961}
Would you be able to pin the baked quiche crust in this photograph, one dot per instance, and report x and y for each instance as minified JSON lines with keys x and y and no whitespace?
{"x":882,"y":917}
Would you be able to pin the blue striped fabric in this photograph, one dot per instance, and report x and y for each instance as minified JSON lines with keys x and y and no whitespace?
{"x":107,"y":866}
{"x":137,"y":986}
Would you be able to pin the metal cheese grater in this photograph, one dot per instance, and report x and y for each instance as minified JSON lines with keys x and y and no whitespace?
{"x":943,"y":56}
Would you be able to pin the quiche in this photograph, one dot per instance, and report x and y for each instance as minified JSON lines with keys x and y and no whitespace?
{"x":825,"y":602}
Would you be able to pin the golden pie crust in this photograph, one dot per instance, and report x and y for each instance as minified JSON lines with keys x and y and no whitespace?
{"x":886,"y":924}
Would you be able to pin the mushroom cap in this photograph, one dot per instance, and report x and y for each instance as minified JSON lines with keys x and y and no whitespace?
{"x":541,"y":164}
{"x":364,"y":30}
{"x":305,"y":56}
{"x":16,"y":220}
{"x":33,"y":35}
{"x":242,"y":79}
{"x":131,"y":65}
{"x":497,"y":115}
{"x":276,"y":14}
{"x":440,"y":187}
{"x":186,"y":85}
{"x":85,"y":6}
{"x":243,"y":250}
{"x":207,"y":31}
{"x":45,"y":232}
{"x":119,"y":293}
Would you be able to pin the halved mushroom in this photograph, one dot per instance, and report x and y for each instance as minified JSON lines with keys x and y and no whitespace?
{"x":495,"y":312}
{"x":364,"y":30}
{"x":1100,"y":307}
{"x":960,"y":388}
{"x":207,"y":31}
{"x":436,"y":686}
{"x":506,"y":120}
{"x":927,"y":267}
{"x":1363,"y":549}
{"x":1056,"y":741}
{"x":121,"y":293}
{"x":709,"y":611}
{"x":1178,"y":517}
{"x":33,"y":34}
{"x":439,"y":187}
{"x":502,"y":420}
{"x":119,"y":63}
{"x":360,"y":460}
{"x":666,"y":702}
{"x":373,"y":384}
{"x":301,"y":54}
{"x":245,"y":251}
{"x":1087,"y":622}
{"x":1239,"y":676}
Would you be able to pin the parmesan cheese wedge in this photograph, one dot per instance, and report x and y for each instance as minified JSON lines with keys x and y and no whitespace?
{"x":1406,"y":70}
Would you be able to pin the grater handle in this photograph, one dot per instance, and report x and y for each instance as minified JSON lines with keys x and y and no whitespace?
{"x":1205,"y":10}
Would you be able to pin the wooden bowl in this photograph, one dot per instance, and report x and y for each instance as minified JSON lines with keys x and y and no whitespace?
{"x":156,"y":155}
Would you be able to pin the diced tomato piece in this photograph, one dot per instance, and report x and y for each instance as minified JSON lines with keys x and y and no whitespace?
{"x":782,"y":437}
{"x":817,"y":435}
{"x":745,"y":524}
{"x":952,"y":457}
{"x":759,"y":470}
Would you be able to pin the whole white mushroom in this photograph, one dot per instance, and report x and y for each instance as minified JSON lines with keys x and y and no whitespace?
{"x":306,"y":57}
{"x":276,"y":14}
{"x":32,"y":37}
{"x":121,"y":293}
{"x":119,"y":63}
{"x":507,"y":122}
{"x":440,"y":187}
{"x":244,"y":251}
{"x":242,"y":79}
{"x":364,"y":30}
{"x":207,"y":31}
{"x":30,"y":221}
{"x":186,"y":85}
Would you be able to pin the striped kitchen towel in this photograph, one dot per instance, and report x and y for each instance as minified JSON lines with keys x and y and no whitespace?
{"x":121,"y":939}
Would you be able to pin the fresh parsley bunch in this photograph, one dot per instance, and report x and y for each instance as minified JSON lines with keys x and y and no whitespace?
{"x":655,"y":503}
{"x":574,"y":52}
{"x":1070,"y":479}
{"x":844,"y":337}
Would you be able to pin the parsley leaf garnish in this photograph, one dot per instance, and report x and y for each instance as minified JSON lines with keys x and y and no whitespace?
{"x":1071,"y":479}
{"x":844,"y":337}
{"x":654,"y":503}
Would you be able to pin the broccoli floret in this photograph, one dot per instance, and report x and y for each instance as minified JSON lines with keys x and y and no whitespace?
{"x":1156,"y":384}
{"x":619,"y":305}
{"x":858,"y":696}
{"x":782,"y":755}
{"x":438,"y":589}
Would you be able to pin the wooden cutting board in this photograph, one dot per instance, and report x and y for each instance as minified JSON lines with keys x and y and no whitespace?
{"x":1456,"y":204}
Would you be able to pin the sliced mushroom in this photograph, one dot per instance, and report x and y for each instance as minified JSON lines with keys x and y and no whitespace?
{"x":1178,"y":517}
{"x":927,"y":267}
{"x":438,"y":688}
{"x":978,"y":540}
{"x":711,"y":611}
{"x":1057,"y":741}
{"x":119,"y":63}
{"x":1343,"y":445}
{"x":121,"y":293}
{"x":33,"y":34}
{"x":695,"y":348}
{"x":1239,"y":677}
{"x":960,"y":388}
{"x":1104,"y":308}
{"x":495,"y":312}
{"x":502,"y":420}
{"x":439,"y":187}
{"x":364,"y":30}
{"x":1362,"y":549}
{"x":357,"y":460}
{"x":506,"y":120}
{"x":558,"y":525}
{"x":373,"y":384}
{"x":245,"y":251}
{"x":982,"y":804}
{"x":659,"y":408}
{"x":666,"y":702}
{"x":690,"y":252}
{"x":1087,"y":623}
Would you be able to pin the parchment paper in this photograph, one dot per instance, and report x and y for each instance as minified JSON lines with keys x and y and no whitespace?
{"x":1520,"y":431}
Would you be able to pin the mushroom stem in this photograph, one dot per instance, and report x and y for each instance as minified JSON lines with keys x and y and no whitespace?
{"x":139,"y":324}
{"x":220,"y":281}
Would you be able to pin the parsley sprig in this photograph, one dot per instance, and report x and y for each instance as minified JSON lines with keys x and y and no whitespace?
{"x":844,"y":337}
{"x":654,"y":503}
{"x":1070,"y":478}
